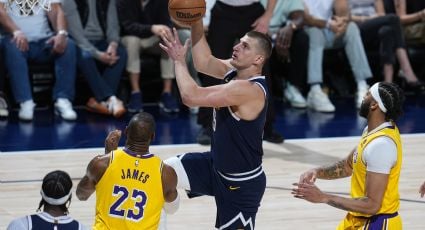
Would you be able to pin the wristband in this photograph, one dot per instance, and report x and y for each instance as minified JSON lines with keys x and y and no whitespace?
{"x":63,"y":32}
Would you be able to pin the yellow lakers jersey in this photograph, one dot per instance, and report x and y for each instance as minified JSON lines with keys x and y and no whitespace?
{"x":129,"y":194}
{"x":390,"y":202}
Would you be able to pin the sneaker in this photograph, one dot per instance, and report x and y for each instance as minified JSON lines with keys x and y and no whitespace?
{"x":26,"y":112}
{"x":204,"y":136}
{"x":135,"y":105}
{"x":115,"y":106}
{"x":168,"y":103}
{"x":294,"y":96}
{"x":63,"y":108}
{"x":94,"y":106}
{"x":273,"y":137}
{"x":4,"y":112}
{"x":319,"y":101}
{"x":361,"y":92}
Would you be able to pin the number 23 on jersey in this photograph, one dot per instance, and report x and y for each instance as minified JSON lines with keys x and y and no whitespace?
{"x":133,"y":212}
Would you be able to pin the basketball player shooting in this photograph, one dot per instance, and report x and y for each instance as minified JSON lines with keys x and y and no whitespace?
{"x":231,"y":171}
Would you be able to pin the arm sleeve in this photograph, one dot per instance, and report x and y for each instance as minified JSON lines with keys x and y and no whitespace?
{"x":19,"y":224}
{"x":173,"y":206}
{"x":380,"y":155}
{"x":113,"y":28}
{"x":129,"y":19}
{"x":75,"y":27}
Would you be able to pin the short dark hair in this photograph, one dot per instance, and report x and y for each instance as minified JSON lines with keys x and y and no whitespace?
{"x":393,"y":98}
{"x":141,"y":127}
{"x":264,"y":42}
{"x":56,"y":184}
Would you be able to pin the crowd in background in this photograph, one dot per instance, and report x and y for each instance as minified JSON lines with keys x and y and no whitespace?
{"x":102,"y":41}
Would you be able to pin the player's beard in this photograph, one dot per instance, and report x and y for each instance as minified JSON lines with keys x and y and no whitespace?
{"x":364,"y":109}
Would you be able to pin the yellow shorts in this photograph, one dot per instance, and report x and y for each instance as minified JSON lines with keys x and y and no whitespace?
{"x":355,"y":223}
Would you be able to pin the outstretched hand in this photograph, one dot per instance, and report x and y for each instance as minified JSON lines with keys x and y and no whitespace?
{"x":308,"y":177}
{"x":112,"y":140}
{"x":173,"y":46}
{"x":309,"y":192}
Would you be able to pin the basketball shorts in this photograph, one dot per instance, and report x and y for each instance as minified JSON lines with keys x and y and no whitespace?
{"x":377,"y":222}
{"x":237,"y":196}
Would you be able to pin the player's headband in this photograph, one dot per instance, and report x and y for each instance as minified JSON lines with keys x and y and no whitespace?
{"x":374,"y":91}
{"x":54,"y":201}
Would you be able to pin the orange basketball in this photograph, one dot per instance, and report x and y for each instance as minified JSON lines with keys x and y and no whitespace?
{"x":186,"y":11}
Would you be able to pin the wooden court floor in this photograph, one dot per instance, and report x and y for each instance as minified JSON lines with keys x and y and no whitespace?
{"x":21,"y":174}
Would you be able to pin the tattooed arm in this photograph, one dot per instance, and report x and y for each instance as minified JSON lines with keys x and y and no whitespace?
{"x":370,"y":204}
{"x":340,"y":169}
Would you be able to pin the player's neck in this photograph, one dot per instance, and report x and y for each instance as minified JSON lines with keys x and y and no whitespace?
{"x":137,"y":149}
{"x":374,"y":121}
{"x":54,"y":211}
{"x":248,"y":73}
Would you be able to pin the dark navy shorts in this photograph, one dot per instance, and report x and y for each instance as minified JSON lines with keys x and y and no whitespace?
{"x":237,"y":196}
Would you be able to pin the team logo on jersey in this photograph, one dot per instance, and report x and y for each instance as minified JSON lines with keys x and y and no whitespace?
{"x":355,"y":156}
{"x":136,"y":163}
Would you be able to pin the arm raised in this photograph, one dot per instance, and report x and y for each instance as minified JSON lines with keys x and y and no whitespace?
{"x":203,"y":59}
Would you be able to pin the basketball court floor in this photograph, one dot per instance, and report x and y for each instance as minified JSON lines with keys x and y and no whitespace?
{"x":30,"y":150}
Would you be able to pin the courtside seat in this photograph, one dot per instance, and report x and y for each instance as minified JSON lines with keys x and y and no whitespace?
{"x":42,"y":79}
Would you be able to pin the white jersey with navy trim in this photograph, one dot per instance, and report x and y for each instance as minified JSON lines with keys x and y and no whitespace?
{"x":237,"y":144}
{"x":43,"y":221}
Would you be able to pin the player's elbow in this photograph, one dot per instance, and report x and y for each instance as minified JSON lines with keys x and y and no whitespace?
{"x":189,"y":97}
{"x":373,"y":210}
{"x":81,"y":195}
{"x":188,"y":101}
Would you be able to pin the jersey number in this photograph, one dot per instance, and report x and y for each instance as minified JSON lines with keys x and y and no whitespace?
{"x":136,"y":213}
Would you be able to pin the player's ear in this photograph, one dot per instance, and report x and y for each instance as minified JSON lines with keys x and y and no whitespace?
{"x":259,"y":59}
{"x":373,"y":105}
{"x":153,"y":136}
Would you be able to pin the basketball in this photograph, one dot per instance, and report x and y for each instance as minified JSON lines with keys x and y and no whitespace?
{"x":186,"y":11}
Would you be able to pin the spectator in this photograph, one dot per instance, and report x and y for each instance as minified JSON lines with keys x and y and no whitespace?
{"x":412,"y":17}
{"x":31,"y":38}
{"x":142,"y":25}
{"x":95,"y":28}
{"x":383,"y":31}
{"x":230,"y":20}
{"x":333,"y":30}
{"x":56,"y":196}
{"x":4,"y":112}
{"x":291,"y":47}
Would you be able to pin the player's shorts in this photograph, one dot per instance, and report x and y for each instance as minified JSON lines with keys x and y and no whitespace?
{"x":380,"y":221}
{"x":237,"y":196}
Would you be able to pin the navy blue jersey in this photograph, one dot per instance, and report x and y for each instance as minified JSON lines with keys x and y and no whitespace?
{"x":237,"y":144}
{"x":39,"y":223}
